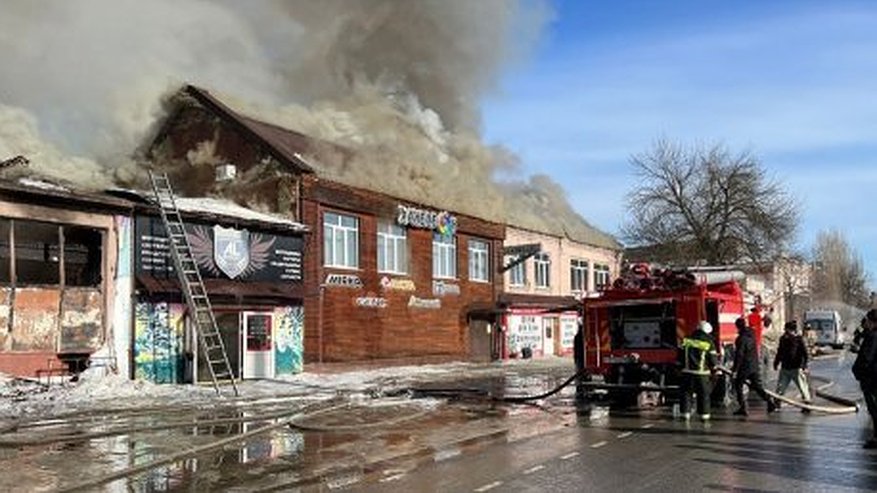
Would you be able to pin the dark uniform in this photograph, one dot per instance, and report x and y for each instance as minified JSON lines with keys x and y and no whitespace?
{"x":865,"y":371}
{"x":746,"y":368}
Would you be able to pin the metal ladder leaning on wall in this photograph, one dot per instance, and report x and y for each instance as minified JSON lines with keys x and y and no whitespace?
{"x":200,"y":310}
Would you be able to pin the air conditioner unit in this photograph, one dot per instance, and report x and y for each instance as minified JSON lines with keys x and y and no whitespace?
{"x":226,"y":172}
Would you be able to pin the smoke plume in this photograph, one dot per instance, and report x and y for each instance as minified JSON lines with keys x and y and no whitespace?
{"x":397,"y":82}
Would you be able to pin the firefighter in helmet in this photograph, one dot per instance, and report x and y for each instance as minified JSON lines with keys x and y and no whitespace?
{"x":697,"y":358}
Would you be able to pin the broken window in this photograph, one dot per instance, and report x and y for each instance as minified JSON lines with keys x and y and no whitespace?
{"x":82,"y":256}
{"x":5,"y":253}
{"x":37,"y":253}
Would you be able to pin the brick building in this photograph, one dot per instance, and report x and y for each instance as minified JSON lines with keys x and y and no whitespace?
{"x":384,"y":277}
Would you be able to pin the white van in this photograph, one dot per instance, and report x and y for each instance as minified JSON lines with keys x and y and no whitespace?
{"x":828,"y":327}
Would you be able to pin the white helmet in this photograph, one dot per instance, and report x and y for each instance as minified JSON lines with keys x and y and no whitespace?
{"x":705,"y":327}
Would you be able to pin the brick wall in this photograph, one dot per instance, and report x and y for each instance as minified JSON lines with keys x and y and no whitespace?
{"x":348,"y":332}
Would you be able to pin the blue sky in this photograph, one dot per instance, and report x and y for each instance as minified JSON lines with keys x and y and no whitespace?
{"x":793,"y":81}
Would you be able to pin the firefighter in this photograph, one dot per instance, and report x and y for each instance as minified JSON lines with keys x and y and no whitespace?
{"x":578,"y":352}
{"x":698,"y":361}
{"x":746,"y":370}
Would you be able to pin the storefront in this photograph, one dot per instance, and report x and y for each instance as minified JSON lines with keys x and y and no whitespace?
{"x":58,"y":276}
{"x":253,"y":273}
{"x":538,"y":326}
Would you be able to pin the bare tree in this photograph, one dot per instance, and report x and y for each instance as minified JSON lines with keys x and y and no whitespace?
{"x":839,"y":275}
{"x":707,"y":205}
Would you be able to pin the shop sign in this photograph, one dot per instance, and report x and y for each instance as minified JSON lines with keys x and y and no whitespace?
{"x":442,"y":288}
{"x":343,"y":280}
{"x":221,"y":253}
{"x":426,"y":303}
{"x":442,"y":222}
{"x":371,"y":302}
{"x":397,"y":284}
{"x":231,"y":250}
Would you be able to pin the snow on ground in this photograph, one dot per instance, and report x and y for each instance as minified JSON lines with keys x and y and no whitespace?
{"x":26,"y":399}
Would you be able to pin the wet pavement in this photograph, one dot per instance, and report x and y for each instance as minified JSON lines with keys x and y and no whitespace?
{"x":650,"y":451}
{"x":388,"y":441}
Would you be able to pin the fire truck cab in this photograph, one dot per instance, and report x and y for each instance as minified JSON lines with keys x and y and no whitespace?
{"x":632,"y":336}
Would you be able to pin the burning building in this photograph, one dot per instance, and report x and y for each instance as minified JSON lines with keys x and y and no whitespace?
{"x":61,"y":278}
{"x":385,"y":276}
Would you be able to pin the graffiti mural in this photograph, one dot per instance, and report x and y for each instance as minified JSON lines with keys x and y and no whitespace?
{"x":289,"y":338}
{"x":159,"y":336}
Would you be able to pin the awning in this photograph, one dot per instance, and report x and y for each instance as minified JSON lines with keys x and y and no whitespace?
{"x":226,"y":287}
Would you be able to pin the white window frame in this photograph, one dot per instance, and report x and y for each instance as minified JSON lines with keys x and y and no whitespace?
{"x":333,"y":229}
{"x":579,"y":269}
{"x":518,"y":273}
{"x":602,"y":276}
{"x":392,"y":248}
{"x":444,"y":256}
{"x":542,"y":264}
{"x":479,"y":260}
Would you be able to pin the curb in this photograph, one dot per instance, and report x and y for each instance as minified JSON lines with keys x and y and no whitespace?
{"x":347,"y":475}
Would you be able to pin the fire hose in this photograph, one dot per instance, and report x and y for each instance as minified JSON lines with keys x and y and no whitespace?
{"x":545,"y":395}
{"x":849,"y":406}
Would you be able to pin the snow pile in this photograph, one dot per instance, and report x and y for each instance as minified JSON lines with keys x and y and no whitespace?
{"x":364,"y":380}
{"x":230,"y":209}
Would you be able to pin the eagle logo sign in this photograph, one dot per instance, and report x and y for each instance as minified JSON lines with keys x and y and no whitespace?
{"x":233,"y":252}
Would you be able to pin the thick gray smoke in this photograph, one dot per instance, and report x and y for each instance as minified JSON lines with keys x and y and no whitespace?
{"x":398,"y":82}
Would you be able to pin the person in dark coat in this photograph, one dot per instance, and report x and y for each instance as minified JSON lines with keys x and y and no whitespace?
{"x":698,"y":361}
{"x":578,"y":354}
{"x":865,"y":371}
{"x":791,"y":361}
{"x":746,"y":368}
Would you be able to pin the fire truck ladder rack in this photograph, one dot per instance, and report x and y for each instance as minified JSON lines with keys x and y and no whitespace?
{"x":200,"y":310}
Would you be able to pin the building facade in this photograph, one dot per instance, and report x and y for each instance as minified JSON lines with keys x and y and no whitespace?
{"x":59,"y":276}
{"x":252,"y":266}
{"x":384,"y":277}
{"x":542,"y":292}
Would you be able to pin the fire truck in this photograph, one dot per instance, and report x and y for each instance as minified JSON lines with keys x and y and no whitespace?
{"x":633,"y":330}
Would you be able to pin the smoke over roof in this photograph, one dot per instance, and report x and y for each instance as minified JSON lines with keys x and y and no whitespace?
{"x":398,"y":82}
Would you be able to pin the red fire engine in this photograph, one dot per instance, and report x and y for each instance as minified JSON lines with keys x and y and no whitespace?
{"x":632,"y":331}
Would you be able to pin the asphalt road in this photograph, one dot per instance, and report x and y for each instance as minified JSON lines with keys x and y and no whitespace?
{"x":786,"y":451}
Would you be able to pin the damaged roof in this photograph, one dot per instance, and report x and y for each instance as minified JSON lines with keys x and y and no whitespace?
{"x":286,"y":145}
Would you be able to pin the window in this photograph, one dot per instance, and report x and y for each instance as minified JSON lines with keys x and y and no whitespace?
{"x":392,"y":248}
{"x":5,"y":252}
{"x":444,"y":256}
{"x":479,"y":260}
{"x":340,"y":240}
{"x":601,"y":276}
{"x":518,"y":273}
{"x":543,"y":270}
{"x":37,"y":253}
{"x":578,"y":275}
{"x":82,"y":256}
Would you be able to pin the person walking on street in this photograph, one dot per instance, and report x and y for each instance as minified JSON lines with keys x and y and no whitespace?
{"x":746,"y":369}
{"x":865,"y":371}
{"x":698,"y":360}
{"x":791,"y":360}
{"x":578,"y":352}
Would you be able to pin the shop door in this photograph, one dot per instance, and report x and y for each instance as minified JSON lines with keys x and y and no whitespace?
{"x":547,"y":336}
{"x":258,"y":345}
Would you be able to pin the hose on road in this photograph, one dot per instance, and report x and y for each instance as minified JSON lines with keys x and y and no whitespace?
{"x":848,"y":407}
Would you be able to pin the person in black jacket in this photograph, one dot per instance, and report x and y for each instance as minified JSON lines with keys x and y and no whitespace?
{"x":746,"y":368}
{"x":791,"y":360}
{"x":578,"y":353}
{"x":865,"y":371}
